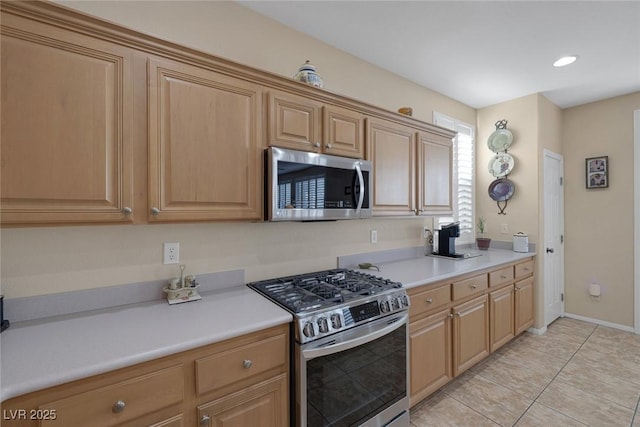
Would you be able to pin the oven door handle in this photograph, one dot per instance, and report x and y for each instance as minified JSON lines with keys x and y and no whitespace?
{"x":369,"y":334}
{"x":362,"y":190}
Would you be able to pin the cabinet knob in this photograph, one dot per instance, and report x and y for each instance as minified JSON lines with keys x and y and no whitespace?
{"x":127,"y":210}
{"x":329,"y":146}
{"x":317,"y":145}
{"x":503,"y":277}
{"x":526,"y":269}
{"x":517,"y":288}
{"x":118,"y":407}
{"x":247,"y":364}
{"x":205,"y":421}
{"x":450,"y":316}
{"x":458,"y":314}
{"x":155,"y":211}
{"x":429,"y":300}
{"x":473,"y":286}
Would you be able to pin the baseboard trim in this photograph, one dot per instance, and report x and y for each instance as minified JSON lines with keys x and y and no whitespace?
{"x":535,"y":331}
{"x":602,"y":322}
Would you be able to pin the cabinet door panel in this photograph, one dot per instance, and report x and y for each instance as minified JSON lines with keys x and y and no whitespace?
{"x":435,"y":168}
{"x":343,"y":132}
{"x":390,"y":147}
{"x":524,"y":314}
{"x":204,"y":150}
{"x":263,"y":405}
{"x":294,"y":122}
{"x":501,"y":308}
{"x":430,"y":355}
{"x":470,"y":333}
{"x":66,"y":126}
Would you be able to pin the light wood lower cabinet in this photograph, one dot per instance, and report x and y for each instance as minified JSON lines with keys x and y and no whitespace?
{"x":454,"y":325}
{"x":261,"y":405}
{"x":430,"y":354}
{"x":524,"y":314}
{"x":470,"y":333}
{"x":174,"y":391}
{"x":501,"y":307}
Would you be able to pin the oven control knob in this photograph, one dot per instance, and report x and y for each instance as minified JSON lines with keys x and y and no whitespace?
{"x":384,"y":307}
{"x":308,"y":330}
{"x":405,"y":300}
{"x":336,"y":323}
{"x":396,"y":304}
{"x":323,"y":325}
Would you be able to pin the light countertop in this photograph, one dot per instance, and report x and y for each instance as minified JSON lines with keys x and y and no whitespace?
{"x":41,"y":354}
{"x":429,"y":269}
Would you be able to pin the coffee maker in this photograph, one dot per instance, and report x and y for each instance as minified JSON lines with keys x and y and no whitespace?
{"x":447,"y":240}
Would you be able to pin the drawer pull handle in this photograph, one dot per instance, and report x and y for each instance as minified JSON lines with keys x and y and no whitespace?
{"x":118,"y":407}
{"x":473,"y":286}
{"x":503,"y":277}
{"x":205,"y":421}
{"x":247,"y":364}
{"x":526,"y":269}
{"x":429,"y":300}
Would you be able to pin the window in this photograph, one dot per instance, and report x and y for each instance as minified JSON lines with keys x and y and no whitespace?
{"x":463,"y":176}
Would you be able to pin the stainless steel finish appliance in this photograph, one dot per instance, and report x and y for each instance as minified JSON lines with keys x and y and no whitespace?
{"x":350,"y":340}
{"x":305,"y":186}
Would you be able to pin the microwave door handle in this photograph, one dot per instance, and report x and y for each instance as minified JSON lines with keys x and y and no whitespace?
{"x":361,"y":181}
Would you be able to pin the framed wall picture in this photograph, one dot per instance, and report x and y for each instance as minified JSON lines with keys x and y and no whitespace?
{"x":597,"y":172}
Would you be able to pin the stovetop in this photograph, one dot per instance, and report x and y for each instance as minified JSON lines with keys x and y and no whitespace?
{"x":323,"y":289}
{"x":331,"y":301}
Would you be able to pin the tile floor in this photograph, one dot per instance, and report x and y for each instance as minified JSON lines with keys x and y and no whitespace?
{"x":576,"y":374}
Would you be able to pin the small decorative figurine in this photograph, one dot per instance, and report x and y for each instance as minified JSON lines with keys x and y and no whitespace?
{"x":307,"y":74}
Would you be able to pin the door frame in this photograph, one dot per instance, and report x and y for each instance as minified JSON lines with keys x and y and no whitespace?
{"x":636,"y":216}
{"x":550,"y":154}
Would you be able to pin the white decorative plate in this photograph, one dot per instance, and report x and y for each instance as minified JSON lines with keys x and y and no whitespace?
{"x":500,"y":140}
{"x":501,"y":165}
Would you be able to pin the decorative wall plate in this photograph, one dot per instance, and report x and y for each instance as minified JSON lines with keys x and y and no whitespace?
{"x":501,"y":189}
{"x":500,"y":140}
{"x":501,"y":165}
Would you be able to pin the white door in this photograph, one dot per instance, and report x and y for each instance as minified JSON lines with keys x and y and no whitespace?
{"x":552,"y":249}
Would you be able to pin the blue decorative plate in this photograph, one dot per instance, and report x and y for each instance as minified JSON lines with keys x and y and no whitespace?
{"x":501,"y":189}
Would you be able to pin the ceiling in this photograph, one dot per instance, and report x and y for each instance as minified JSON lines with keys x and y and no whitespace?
{"x":483,"y":52}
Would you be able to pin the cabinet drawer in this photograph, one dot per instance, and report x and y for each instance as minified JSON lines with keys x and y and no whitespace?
{"x":426,"y":301}
{"x":472,"y":286}
{"x":237,"y":364}
{"x":524,"y":269}
{"x":138,"y":396}
{"x":500,"y":277}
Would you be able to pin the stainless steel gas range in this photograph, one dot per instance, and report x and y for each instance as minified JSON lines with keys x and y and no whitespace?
{"x":349,"y":347}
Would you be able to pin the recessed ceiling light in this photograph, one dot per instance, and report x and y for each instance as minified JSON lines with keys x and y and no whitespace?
{"x":565,"y":60}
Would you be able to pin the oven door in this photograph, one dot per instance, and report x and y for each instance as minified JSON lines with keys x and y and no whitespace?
{"x":355,"y":378}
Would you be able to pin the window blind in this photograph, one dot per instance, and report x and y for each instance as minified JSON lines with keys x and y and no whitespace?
{"x":463,"y":175}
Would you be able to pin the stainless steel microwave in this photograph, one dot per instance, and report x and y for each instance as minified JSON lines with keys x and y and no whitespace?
{"x":304,"y":186}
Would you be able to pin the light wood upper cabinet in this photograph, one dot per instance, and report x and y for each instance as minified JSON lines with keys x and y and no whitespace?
{"x":301,"y":123}
{"x":294,"y":122}
{"x":391,"y":149}
{"x":66,"y":126}
{"x":435,"y":174}
{"x":205,"y":151}
{"x":343,"y":132}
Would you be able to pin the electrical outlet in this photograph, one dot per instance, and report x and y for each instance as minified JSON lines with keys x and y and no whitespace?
{"x":171,"y":253}
{"x":374,"y":236}
{"x":504,"y":228}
